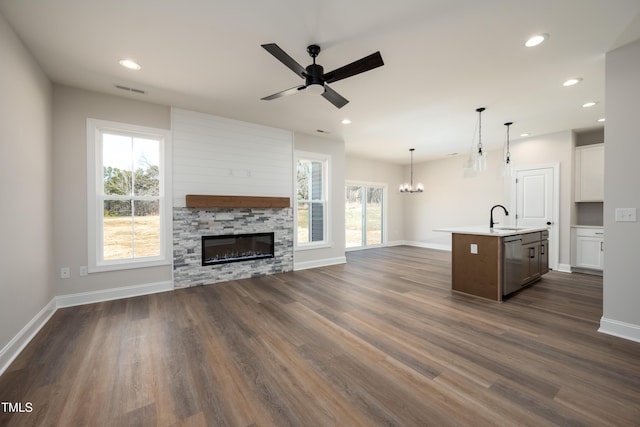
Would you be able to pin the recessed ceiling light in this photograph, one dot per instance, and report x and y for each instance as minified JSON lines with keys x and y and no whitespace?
{"x":128,"y":63}
{"x":524,"y":134}
{"x":346,"y":121}
{"x":602,"y":120}
{"x":572,"y":82}
{"x":589,"y":104}
{"x":536,"y":40}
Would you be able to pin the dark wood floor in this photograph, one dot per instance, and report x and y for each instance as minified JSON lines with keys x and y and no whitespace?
{"x":379,"y":341}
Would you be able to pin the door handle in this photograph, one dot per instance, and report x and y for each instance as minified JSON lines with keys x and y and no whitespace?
{"x":532,"y":252}
{"x":549,"y":223}
{"x":601,"y":246}
{"x":541,"y":249}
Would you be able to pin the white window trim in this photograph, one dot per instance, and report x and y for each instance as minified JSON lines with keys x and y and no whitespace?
{"x":95,"y":264}
{"x":326,"y":160}
{"x":385,"y":194}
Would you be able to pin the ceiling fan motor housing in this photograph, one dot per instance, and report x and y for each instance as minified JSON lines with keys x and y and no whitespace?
{"x":314,"y":75}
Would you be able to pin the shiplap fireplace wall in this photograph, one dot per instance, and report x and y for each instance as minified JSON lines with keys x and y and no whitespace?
{"x":217,"y":156}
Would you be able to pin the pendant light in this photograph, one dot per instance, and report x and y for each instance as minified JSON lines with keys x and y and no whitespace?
{"x":408,"y":188}
{"x":506,"y":171}
{"x":480,"y":158}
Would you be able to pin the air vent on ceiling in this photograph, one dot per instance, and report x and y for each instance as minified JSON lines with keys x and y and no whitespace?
{"x":131,"y":89}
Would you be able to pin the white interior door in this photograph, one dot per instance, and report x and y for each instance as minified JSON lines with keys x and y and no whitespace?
{"x":536,"y":202}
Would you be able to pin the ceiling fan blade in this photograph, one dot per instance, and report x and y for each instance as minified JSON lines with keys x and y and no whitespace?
{"x":286,"y":92}
{"x":334,"y":97}
{"x":360,"y":66}
{"x":283,"y":57}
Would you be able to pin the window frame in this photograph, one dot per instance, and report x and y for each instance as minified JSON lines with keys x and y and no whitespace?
{"x":95,"y":195}
{"x":325,"y":159}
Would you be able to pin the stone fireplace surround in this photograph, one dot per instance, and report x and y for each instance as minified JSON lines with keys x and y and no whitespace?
{"x":190,"y":224}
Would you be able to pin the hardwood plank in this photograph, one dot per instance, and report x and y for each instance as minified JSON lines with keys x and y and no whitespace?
{"x":381,"y":340}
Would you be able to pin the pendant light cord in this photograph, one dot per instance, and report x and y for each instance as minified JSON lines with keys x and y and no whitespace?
{"x":508,"y":159}
{"x":411,"y":183}
{"x":480,"y":110}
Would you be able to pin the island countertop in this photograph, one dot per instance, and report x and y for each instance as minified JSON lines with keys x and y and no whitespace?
{"x":484,"y":230}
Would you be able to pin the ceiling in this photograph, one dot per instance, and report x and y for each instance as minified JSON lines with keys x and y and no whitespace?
{"x":443,"y":59}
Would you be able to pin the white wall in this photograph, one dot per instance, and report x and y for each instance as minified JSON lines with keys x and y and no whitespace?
{"x":334,"y":253}
{"x":372,"y":171}
{"x":218,"y":156}
{"x":71,"y":107}
{"x":26,"y":256}
{"x":621,"y":314}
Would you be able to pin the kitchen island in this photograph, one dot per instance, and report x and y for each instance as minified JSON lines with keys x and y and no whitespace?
{"x":495,"y":262}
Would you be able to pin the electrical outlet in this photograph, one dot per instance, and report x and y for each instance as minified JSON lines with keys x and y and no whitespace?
{"x":474,"y":248}
{"x":65,"y":273}
{"x":84,"y":271}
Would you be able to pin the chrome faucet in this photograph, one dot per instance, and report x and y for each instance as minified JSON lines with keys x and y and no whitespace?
{"x":491,"y":223}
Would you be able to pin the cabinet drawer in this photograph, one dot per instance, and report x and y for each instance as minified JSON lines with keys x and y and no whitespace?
{"x":590,"y":232}
{"x":530,"y":238}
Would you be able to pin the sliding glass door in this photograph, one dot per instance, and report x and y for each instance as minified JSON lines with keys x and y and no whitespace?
{"x":364,"y":215}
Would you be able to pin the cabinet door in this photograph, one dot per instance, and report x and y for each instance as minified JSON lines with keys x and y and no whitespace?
{"x":530,"y":262}
{"x":590,"y":173}
{"x":589,"y":252}
{"x":544,"y":256}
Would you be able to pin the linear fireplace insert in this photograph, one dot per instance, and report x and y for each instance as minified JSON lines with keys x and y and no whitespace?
{"x":236,"y":247}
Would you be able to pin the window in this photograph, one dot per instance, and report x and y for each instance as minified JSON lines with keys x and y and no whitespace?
{"x":364,"y":215}
{"x":311,"y":200}
{"x":129,"y":216}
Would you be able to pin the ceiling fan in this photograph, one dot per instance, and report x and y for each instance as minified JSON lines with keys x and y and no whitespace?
{"x":315,"y":78}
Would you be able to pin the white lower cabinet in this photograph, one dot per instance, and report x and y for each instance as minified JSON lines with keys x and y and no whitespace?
{"x":588,"y":248}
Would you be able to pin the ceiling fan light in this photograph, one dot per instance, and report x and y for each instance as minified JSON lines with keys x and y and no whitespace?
{"x":315,"y":89}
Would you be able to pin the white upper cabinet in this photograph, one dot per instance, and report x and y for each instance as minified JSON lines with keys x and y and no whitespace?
{"x":590,"y":173}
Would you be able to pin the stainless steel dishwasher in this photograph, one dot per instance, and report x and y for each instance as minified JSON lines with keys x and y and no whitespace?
{"x":512,"y":275}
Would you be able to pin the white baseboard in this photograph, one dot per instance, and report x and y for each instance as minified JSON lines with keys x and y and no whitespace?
{"x":112,"y":294}
{"x":564,"y":268}
{"x":319,"y":263}
{"x":26,"y":334}
{"x":619,"y":329}
{"x":437,"y":246}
